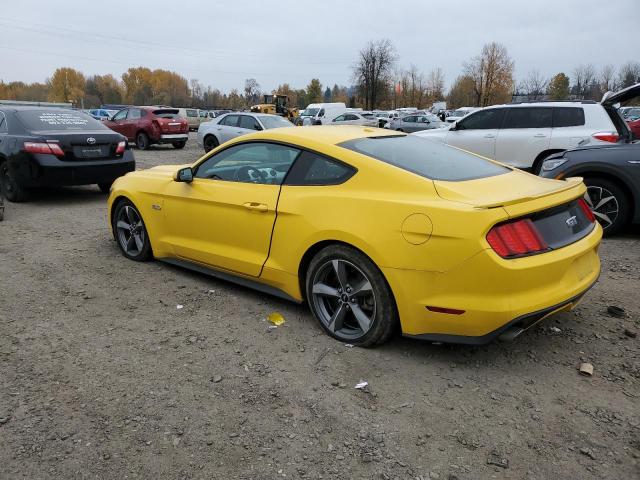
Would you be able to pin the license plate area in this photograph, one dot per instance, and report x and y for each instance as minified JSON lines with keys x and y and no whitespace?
{"x":93,"y":151}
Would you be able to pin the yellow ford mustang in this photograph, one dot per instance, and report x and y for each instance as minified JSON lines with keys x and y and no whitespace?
{"x":375,"y":230}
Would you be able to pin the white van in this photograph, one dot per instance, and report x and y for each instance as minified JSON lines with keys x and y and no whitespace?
{"x":322,"y":113}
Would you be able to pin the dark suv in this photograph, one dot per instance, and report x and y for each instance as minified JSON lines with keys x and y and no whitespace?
{"x":148,"y":125}
{"x":42,"y":147}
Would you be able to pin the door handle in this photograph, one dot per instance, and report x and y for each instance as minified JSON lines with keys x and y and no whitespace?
{"x":257,"y":207}
{"x":540,"y":135}
{"x":489,"y":135}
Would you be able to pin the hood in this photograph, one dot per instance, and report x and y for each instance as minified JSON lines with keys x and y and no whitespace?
{"x":610,"y":98}
{"x":504,"y":190}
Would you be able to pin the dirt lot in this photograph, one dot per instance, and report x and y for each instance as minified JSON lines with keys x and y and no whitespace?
{"x":103,"y":377}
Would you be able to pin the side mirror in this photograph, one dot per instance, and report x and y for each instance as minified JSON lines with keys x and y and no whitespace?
{"x":184,"y":175}
{"x":257,"y":127}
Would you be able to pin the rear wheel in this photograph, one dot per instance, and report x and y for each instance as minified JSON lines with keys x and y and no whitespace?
{"x":399,"y":130}
{"x":609,"y":203}
{"x":131,"y":233}
{"x":210,"y":142}
{"x":179,"y":145}
{"x":142,"y":141}
{"x":10,"y":187}
{"x":349,"y":296}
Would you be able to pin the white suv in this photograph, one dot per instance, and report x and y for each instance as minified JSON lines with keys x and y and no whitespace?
{"x":524,"y":134}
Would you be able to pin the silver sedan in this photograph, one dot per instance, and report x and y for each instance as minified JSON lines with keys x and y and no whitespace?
{"x":416,"y":123}
{"x":232,"y":125}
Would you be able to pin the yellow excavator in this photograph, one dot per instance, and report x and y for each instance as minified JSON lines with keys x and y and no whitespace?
{"x":276,"y":105}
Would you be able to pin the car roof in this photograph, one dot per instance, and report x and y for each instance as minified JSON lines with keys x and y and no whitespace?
{"x":23,"y":108}
{"x":328,"y":134}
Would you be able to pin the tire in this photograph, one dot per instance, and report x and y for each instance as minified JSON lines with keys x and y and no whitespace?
{"x":142,"y":141}
{"x":9,"y":186}
{"x":399,"y":130}
{"x":210,"y":142}
{"x":130,"y":232}
{"x":105,"y":187}
{"x":614,"y":213}
{"x":179,"y":145}
{"x":333,"y":297}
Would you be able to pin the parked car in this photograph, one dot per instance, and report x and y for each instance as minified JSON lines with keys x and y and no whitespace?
{"x":192,"y":115}
{"x":102,"y":114}
{"x":612,"y":176}
{"x":231,"y":125}
{"x":630,"y":113}
{"x":45,"y":147}
{"x":634,"y":126}
{"x":459,"y":114}
{"x":415,"y":123}
{"x":374,"y":230}
{"x":523,"y":135}
{"x":151,"y":125}
{"x":355,"y":118}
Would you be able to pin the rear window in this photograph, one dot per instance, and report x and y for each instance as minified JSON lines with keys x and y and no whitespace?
{"x":433,"y":160}
{"x":167,"y":113}
{"x":52,"y":120}
{"x":528,"y":118}
{"x":568,"y":117}
{"x":275,"y":122}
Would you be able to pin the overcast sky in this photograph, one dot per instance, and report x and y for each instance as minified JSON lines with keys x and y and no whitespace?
{"x":222,"y":42}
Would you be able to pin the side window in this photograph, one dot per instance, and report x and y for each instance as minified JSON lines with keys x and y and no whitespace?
{"x":192,"y":113}
{"x":482,"y":120}
{"x":525,"y":117}
{"x":248,"y":122}
{"x":230,"y":121}
{"x":3,"y":124}
{"x":321,"y":114}
{"x":134,"y":114}
{"x":351,"y":116}
{"x":339,"y":118}
{"x":315,"y":169}
{"x":121,"y":115}
{"x":409,"y":119}
{"x":568,"y":117}
{"x":203,"y":114}
{"x":255,"y":162}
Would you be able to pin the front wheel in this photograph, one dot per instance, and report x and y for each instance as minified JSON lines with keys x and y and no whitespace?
{"x":130,"y":232}
{"x":350,"y":298}
{"x":142,"y":141}
{"x":9,"y":186}
{"x":399,"y":130}
{"x":609,"y":203}
{"x":210,"y":142}
{"x":179,"y":145}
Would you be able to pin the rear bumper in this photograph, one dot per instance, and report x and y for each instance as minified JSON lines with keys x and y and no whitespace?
{"x":494,"y":294}
{"x":173,"y":137}
{"x":49,"y":171}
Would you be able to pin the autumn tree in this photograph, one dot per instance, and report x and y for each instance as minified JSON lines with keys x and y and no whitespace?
{"x":137,"y":85}
{"x":67,"y":85}
{"x":558,"y":88}
{"x":33,"y":92}
{"x":462,"y":92}
{"x":373,"y":69}
{"x":492,"y":74}
{"x":314,"y":91}
{"x":102,"y":89}
{"x":534,"y":86}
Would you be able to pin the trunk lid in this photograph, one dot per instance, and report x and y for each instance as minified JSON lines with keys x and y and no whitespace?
{"x":610,"y":98}
{"x":88,"y":145}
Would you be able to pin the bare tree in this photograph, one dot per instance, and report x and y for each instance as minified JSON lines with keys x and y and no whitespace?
{"x":629,"y":74}
{"x":373,"y":69}
{"x":251,"y":90}
{"x":584,"y":77}
{"x":607,"y":82}
{"x":534,"y":85}
{"x":435,"y":85}
{"x":492,"y":74}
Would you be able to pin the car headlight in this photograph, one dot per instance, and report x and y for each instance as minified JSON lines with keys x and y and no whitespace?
{"x":549,"y":165}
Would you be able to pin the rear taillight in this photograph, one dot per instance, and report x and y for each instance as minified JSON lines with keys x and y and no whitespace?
{"x":45,"y":148}
{"x":514,"y":239}
{"x":611,"y":137}
{"x":587,"y":210}
{"x":120,"y":148}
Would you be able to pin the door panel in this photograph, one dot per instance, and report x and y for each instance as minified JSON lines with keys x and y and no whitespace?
{"x":520,"y":146}
{"x":482,"y":142}
{"x":220,"y":223}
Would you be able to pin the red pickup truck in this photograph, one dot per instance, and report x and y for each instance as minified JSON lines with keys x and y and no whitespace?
{"x":151,"y":125}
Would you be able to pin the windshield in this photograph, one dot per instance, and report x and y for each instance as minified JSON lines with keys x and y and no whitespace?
{"x":459,"y":113}
{"x":167,"y":113}
{"x":275,"y":122}
{"x":311,"y":112}
{"x":433,"y":160}
{"x":56,"y":120}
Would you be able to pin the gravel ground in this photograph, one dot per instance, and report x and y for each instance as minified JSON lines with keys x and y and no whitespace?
{"x":103,"y":377}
